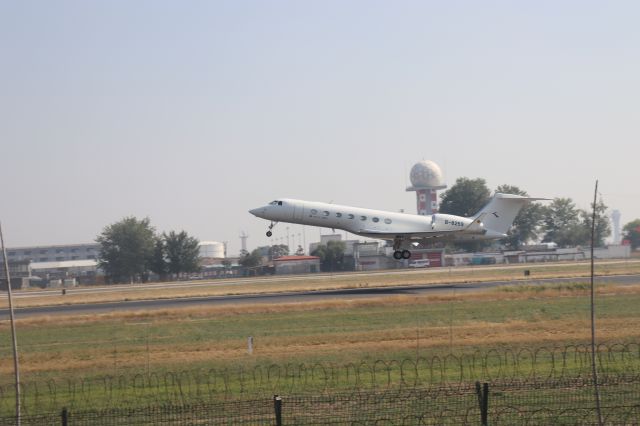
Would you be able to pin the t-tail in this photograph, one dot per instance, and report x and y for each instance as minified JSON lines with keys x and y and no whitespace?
{"x":498,"y":215}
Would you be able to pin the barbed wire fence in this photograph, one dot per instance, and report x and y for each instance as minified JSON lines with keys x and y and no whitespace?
{"x":566,"y":401}
{"x":545,"y":364}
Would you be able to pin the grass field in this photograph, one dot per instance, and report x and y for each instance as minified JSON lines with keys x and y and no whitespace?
{"x":526,"y":315}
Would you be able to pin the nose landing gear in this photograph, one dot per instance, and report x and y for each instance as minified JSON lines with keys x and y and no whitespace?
{"x":269,"y":233}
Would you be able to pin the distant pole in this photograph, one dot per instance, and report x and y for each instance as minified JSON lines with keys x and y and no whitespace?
{"x":594,"y":369}
{"x":288,"y":244}
{"x":16,"y":366}
{"x":304,"y":238}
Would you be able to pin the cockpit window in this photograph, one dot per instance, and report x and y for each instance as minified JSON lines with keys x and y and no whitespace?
{"x":279,"y":203}
{"x":275,"y":203}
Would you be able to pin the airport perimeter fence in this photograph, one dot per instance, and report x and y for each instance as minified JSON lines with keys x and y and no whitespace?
{"x":198,"y":387}
{"x":561,"y":402}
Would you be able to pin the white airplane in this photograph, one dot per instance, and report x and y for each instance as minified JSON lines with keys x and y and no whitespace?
{"x":492,"y":222}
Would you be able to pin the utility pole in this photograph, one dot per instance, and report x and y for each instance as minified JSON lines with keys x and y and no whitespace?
{"x":594,"y":369}
{"x":16,"y":366}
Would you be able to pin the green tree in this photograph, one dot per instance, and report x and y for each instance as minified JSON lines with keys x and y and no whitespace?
{"x":251,"y":260}
{"x":562,"y":223}
{"x":575,"y":234}
{"x":632,"y":233}
{"x":466,"y":197}
{"x":526,"y":224}
{"x":278,"y":250}
{"x":183,"y":254}
{"x":603,"y":225}
{"x":126,"y":249}
{"x":158,"y":262}
{"x":331,"y":256}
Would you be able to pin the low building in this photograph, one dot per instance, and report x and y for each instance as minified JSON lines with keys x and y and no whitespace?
{"x":366,"y":255}
{"x":435,"y":256}
{"x":57,"y":253}
{"x":19,"y":272}
{"x":296,"y":265}
{"x":52,"y":273}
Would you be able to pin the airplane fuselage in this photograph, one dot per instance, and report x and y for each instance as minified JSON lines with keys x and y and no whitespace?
{"x":371,"y":223}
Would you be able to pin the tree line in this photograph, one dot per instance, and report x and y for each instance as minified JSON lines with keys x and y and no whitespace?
{"x":131,"y":249}
{"x":559,"y":222}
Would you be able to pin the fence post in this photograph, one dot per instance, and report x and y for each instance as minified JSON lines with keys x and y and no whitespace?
{"x":65,"y":416}
{"x":485,"y":404}
{"x":483,"y":401}
{"x":277,"y":405}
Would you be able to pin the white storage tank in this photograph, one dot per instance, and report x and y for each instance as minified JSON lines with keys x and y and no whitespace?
{"x":212,"y":249}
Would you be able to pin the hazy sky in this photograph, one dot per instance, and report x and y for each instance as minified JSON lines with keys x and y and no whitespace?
{"x":192,"y":112}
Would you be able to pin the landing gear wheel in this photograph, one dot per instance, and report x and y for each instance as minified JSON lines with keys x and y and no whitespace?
{"x":397,"y":255}
{"x":271,"y":225}
{"x":406,"y":254}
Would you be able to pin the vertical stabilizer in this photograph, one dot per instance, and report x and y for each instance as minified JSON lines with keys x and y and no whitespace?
{"x":498,"y":215}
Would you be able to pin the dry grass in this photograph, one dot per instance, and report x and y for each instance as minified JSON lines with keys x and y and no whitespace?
{"x":482,"y":334}
{"x":324,"y":282}
{"x":94,"y":354}
{"x":520,"y":292}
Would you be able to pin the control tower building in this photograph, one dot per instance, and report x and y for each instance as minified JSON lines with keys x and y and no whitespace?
{"x":426,"y":180}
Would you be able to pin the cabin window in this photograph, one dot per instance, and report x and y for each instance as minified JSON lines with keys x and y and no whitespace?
{"x":326,"y":213}
{"x":350,"y":216}
{"x":375,"y":219}
{"x":363,"y":218}
{"x":387,"y":221}
{"x":338,"y":214}
{"x":314,"y":211}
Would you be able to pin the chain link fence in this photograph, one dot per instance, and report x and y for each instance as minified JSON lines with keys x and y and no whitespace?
{"x":546,"y":364}
{"x":566,"y":401}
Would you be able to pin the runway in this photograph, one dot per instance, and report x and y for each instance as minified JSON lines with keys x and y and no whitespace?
{"x":293,"y":297}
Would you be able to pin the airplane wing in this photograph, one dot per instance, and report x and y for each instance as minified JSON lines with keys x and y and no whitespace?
{"x":373,"y":233}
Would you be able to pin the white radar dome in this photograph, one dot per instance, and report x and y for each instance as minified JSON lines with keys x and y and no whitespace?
{"x":426,"y":174}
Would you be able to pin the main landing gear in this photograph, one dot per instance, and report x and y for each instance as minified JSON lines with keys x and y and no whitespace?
{"x":269,"y":233}
{"x":400,"y":254}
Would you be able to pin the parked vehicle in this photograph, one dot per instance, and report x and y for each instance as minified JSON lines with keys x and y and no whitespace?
{"x":419,"y":263}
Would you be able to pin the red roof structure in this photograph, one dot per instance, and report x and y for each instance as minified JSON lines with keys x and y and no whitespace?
{"x":294,"y":258}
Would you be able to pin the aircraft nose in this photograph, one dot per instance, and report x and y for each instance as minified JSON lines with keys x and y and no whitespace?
{"x":257,"y":212}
